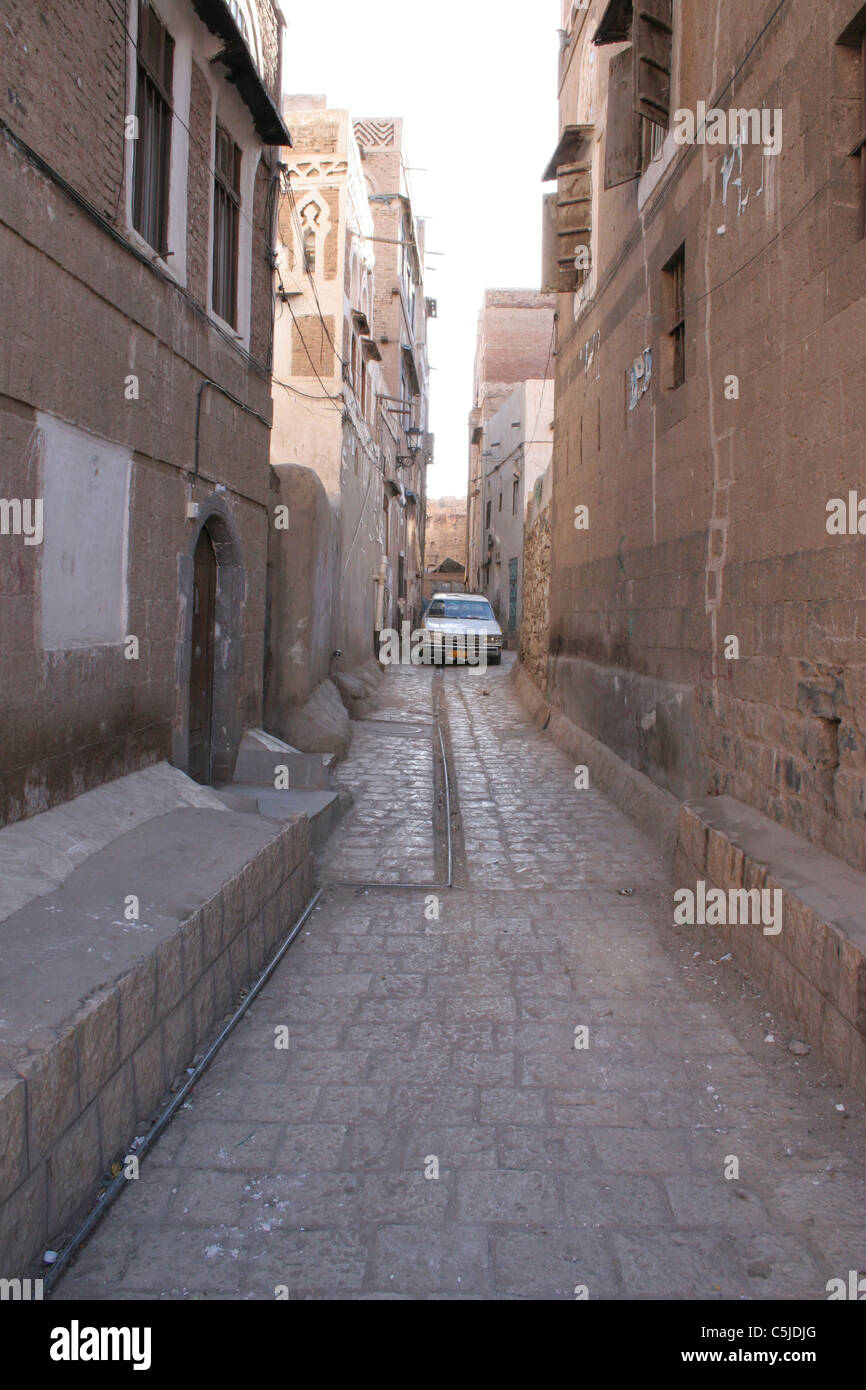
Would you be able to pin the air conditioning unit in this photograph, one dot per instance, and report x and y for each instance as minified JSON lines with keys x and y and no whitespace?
{"x":491,"y":540}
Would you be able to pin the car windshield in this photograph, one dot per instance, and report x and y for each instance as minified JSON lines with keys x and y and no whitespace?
{"x":480,"y":610}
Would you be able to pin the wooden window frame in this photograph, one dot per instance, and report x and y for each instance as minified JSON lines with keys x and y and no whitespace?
{"x":226,"y":226}
{"x":151,"y":175}
{"x":674,"y":273}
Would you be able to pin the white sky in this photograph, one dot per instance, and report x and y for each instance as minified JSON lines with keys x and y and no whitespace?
{"x":475,"y":83}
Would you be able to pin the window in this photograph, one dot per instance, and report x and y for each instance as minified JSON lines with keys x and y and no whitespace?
{"x":652,"y":139}
{"x":238,"y":16}
{"x":515,"y":496}
{"x":310,"y":250}
{"x":472,"y":609}
{"x":854,"y":36}
{"x":675,"y":310}
{"x":500,"y":501}
{"x":153,"y":147}
{"x":489,"y":508}
{"x":639,"y":87}
{"x":226,"y":217}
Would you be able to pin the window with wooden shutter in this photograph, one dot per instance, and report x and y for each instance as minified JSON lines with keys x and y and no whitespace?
{"x":567,"y":214}
{"x":574,"y":223}
{"x":652,"y":44}
{"x":151,"y":165}
{"x":639,"y":86}
{"x":622,"y":141}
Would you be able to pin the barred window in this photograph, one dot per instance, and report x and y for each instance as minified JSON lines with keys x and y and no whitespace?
{"x":226,"y":220}
{"x":155,"y":63}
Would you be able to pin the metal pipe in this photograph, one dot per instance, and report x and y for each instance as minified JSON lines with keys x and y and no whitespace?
{"x":447,"y":804}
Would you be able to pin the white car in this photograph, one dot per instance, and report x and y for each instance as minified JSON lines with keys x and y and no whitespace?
{"x":461,"y":627}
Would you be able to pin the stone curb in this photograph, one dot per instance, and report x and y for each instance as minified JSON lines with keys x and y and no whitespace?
{"x":69,"y":1110}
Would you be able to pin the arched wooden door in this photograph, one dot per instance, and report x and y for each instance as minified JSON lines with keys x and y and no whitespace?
{"x":201,"y":670}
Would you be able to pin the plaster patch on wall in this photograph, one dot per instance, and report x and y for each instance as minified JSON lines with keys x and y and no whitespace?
{"x":86,"y":484}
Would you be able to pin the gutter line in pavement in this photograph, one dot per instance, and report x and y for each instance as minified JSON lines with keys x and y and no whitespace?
{"x":121,"y":1181}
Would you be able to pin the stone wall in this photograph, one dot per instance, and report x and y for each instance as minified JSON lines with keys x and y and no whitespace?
{"x":707,"y":499}
{"x":109,"y":349}
{"x":535,"y":622}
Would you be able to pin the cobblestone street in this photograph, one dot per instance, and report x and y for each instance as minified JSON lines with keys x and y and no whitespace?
{"x":435,"y":1129}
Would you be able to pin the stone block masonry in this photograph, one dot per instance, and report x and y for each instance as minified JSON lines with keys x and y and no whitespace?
{"x":815,"y":968}
{"x":87,"y":1050}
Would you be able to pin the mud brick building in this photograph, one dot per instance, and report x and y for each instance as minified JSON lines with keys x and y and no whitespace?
{"x":137,"y":207}
{"x":401,"y":311}
{"x":514,"y":344}
{"x":706,"y":612}
{"x":350,"y":444}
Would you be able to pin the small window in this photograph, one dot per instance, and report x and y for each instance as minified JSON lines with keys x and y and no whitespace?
{"x":152,"y":160}
{"x":652,"y":140}
{"x":500,"y":502}
{"x":854,"y":37}
{"x":515,"y":496}
{"x":675,"y":310}
{"x":310,"y":250}
{"x":226,"y":219}
{"x":489,"y":508}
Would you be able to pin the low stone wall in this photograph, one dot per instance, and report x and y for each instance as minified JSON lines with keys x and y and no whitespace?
{"x":815,"y":967}
{"x":70,"y":1108}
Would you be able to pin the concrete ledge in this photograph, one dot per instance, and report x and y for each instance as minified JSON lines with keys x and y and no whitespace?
{"x":100,"y":1016}
{"x":815,"y":968}
{"x":655,"y":811}
{"x":39,"y":853}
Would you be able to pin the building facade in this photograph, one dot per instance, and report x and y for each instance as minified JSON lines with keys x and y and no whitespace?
{"x":401,"y":312}
{"x":138,"y":197}
{"x":706,"y":242}
{"x":445,"y":547}
{"x":516,"y":448}
{"x":514,"y":344}
{"x":350,"y":401}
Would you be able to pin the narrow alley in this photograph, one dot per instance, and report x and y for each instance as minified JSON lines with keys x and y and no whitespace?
{"x":524,"y":1086}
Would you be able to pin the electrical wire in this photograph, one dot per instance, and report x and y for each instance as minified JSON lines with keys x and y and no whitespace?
{"x":307,"y":271}
{"x":310,"y":360}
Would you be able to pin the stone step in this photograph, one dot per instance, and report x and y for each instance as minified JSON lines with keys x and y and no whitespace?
{"x":322,"y":809}
{"x":261,"y":758}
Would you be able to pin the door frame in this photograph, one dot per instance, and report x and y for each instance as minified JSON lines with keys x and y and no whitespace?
{"x":229,"y":608}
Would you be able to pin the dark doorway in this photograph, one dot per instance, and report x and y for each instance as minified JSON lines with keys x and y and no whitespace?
{"x":202,"y":660}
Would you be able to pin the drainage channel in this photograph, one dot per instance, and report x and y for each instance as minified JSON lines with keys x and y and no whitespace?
{"x":450,"y":870}
{"x":118,"y":1184}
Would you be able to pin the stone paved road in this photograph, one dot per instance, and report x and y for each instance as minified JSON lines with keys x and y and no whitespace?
{"x":415,"y":1039}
